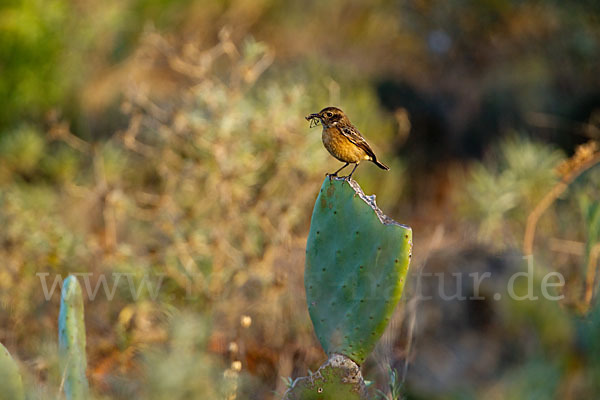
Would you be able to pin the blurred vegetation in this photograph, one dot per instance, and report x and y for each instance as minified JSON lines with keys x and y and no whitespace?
{"x":502,"y":191}
{"x":166,"y":140}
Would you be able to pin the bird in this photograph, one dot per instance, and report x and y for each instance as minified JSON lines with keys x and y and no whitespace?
{"x":343,"y":140}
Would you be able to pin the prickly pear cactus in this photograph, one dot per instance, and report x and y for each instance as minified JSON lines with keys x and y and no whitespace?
{"x":71,"y":340}
{"x":11,"y":385}
{"x":338,"y":378}
{"x":356,"y":264}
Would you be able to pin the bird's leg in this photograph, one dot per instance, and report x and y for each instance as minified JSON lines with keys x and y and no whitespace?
{"x":354,"y":169}
{"x":336,"y":172}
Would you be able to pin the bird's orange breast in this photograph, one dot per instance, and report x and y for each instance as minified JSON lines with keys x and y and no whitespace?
{"x":341,"y":148}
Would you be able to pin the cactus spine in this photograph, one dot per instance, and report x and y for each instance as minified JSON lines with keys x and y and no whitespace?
{"x":71,"y":340}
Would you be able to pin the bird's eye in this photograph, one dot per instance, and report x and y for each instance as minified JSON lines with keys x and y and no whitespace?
{"x":330,"y":114}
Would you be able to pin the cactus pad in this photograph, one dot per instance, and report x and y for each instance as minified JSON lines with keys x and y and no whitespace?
{"x":71,"y":340}
{"x":338,"y":378}
{"x":356,"y":264}
{"x":11,"y":384}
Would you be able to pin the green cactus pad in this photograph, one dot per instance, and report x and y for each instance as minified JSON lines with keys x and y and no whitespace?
{"x":338,"y":378}
{"x":356,"y":264}
{"x":11,"y":384}
{"x":71,"y":340}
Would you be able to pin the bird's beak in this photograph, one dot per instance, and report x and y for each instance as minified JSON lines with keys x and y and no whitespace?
{"x":315,"y":119}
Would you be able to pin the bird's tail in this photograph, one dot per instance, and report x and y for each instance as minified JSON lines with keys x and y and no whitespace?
{"x":380,"y":164}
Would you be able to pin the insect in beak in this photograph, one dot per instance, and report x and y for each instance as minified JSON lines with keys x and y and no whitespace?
{"x":314,"y":120}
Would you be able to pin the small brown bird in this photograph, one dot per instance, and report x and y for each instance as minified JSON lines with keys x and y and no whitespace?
{"x":343,"y":140}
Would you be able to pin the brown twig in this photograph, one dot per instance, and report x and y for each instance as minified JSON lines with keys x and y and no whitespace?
{"x":591,"y":274}
{"x":552,"y":195}
{"x":585,"y":157}
{"x":61,"y":131}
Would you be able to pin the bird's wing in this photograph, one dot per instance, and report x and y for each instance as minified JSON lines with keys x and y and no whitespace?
{"x":353,"y":135}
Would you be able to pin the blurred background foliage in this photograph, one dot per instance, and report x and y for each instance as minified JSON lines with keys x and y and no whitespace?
{"x":165,"y":140}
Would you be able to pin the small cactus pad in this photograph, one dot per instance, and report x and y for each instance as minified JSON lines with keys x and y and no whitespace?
{"x":11,"y":385}
{"x":356,"y":264}
{"x":339,"y":378}
{"x":71,"y":340}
